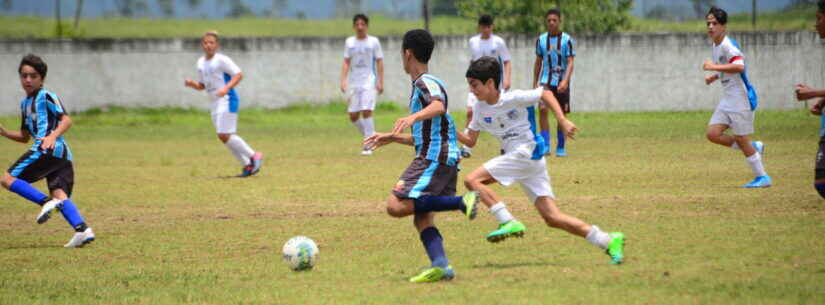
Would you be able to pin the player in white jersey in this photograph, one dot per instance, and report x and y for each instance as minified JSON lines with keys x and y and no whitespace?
{"x":739,"y":100}
{"x":362,"y":77}
{"x":218,"y":75}
{"x":486,"y":44}
{"x":510,"y":117}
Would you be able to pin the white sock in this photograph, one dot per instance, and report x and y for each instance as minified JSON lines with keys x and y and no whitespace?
{"x":369,"y":126}
{"x":755,"y":162}
{"x":597,"y":237}
{"x":502,"y":214}
{"x":735,"y":146}
{"x":240,"y":149}
{"x":360,"y":125}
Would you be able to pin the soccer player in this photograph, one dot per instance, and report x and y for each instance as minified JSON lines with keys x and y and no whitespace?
{"x":486,"y":44}
{"x":363,"y":59}
{"x":739,"y":101}
{"x":804,"y":92}
{"x":218,"y":75}
{"x":44,"y":118}
{"x":429,"y":183}
{"x":510,"y":116}
{"x":553,"y":70}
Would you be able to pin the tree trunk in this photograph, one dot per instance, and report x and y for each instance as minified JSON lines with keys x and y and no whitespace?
{"x":426,"y":12}
{"x":57,"y":16}
{"x":77,"y":13}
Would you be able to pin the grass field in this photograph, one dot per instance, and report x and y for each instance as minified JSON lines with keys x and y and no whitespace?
{"x":32,"y":27}
{"x":172,"y":230}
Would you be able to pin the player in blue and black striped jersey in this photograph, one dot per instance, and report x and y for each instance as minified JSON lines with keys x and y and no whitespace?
{"x":44,"y":118}
{"x":803,"y":93}
{"x":429,"y":183}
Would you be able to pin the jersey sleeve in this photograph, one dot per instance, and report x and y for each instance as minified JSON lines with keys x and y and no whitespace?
{"x":503,"y":51}
{"x":377,"y":52}
{"x":571,"y":47}
{"x":431,"y":92}
{"x":229,"y":66}
{"x":524,"y":98}
{"x":734,"y":55}
{"x":54,"y":105}
{"x":346,"y":49}
{"x":539,"y":49}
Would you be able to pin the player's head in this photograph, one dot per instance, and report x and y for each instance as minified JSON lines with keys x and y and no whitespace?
{"x":210,"y":43}
{"x":417,"y":46}
{"x":717,"y":20}
{"x":32,"y":71}
{"x":360,"y":23}
{"x":485,"y":25}
{"x":552,"y":18}
{"x":483,"y":76}
{"x":820,"y":18}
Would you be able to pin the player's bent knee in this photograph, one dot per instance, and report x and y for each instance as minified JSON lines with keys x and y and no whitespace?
{"x":395,"y":211}
{"x":224,"y":137}
{"x":7,"y":180}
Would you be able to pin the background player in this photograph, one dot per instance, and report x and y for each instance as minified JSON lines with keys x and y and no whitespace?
{"x":429,"y":183}
{"x":218,"y":75}
{"x":44,"y":117}
{"x":510,"y":116}
{"x":553,"y":70}
{"x":738,"y":105}
{"x":486,"y":44}
{"x":804,"y":92}
{"x":363,"y":59}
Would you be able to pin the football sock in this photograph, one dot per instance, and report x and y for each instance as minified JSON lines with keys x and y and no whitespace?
{"x":240,"y":149}
{"x":501,"y":213}
{"x":755,"y":162}
{"x":360,"y":125}
{"x":546,"y":135}
{"x":428,"y":203}
{"x":560,"y":139}
{"x":433,"y":243}
{"x":72,"y":215}
{"x":820,"y":187}
{"x":26,"y":190}
{"x":369,"y":126}
{"x":597,"y":237}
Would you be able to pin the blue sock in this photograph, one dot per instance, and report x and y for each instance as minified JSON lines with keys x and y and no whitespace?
{"x":560,"y":137}
{"x":820,"y":187}
{"x":72,"y":215}
{"x":427,"y":203}
{"x":546,"y":135}
{"x":26,"y":190}
{"x":432,"y":241}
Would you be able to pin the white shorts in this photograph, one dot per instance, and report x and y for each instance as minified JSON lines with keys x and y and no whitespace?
{"x":224,"y":121}
{"x":530,"y":174}
{"x":471,"y":100}
{"x":740,"y":122}
{"x":361,"y":99}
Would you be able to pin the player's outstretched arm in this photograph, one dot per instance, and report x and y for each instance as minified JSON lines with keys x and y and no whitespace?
{"x":804,"y":92}
{"x":21,"y":136}
{"x":383,"y":138}
{"x":470,"y":138}
{"x":193,"y":84}
{"x":550,"y":101}
{"x":434,"y":109}
{"x":726,"y":68}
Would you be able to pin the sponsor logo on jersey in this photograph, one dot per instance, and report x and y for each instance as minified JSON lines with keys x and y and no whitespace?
{"x":488,"y":120}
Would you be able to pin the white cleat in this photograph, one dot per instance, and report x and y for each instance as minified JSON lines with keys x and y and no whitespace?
{"x":46,"y":210}
{"x":366,"y":152}
{"x":80,"y":239}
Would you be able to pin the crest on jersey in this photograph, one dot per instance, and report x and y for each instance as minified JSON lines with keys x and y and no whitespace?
{"x":488,"y":120}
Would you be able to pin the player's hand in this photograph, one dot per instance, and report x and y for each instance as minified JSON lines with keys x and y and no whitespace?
{"x":403,"y":123}
{"x":804,"y":92}
{"x":190,"y":83}
{"x":816,"y":108}
{"x":344,"y":86}
{"x":569,"y":128}
{"x":47,"y":142}
{"x":709,"y":79}
{"x":563,"y":86}
{"x":222,"y":92}
{"x":377,"y":140}
{"x":708,"y":65}
{"x":380,"y":87}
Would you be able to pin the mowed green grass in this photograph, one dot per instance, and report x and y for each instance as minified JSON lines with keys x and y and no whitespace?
{"x":172,"y":230}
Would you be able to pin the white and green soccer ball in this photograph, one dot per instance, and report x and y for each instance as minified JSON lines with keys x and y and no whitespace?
{"x":300,"y":253}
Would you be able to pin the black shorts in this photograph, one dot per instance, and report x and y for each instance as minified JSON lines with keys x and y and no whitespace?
{"x":426,"y":177}
{"x":34,"y":166}
{"x":563,"y":98}
{"x":820,"y":160}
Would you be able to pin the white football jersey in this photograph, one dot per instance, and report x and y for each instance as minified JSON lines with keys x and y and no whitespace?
{"x":215,"y":73}
{"x":494,"y":47}
{"x":511,"y":120}
{"x":362,"y":54}
{"x":735,"y":95}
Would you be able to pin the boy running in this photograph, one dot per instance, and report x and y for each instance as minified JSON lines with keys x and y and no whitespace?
{"x":739,"y":101}
{"x":363,"y":59}
{"x":553,"y":70}
{"x":44,"y":118}
{"x":429,"y":183}
{"x":510,"y":116}
{"x":218,"y":75}
{"x":486,"y":44}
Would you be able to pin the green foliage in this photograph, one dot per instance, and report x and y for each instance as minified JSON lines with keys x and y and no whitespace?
{"x":527,"y":16}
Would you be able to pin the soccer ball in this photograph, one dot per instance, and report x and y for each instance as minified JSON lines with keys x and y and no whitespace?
{"x":300,"y":253}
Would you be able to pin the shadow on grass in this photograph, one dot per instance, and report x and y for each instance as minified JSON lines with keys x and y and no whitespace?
{"x":513,"y":265}
{"x":30,"y":246}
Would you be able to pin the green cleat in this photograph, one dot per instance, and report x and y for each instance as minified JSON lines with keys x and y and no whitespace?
{"x":615,"y":248}
{"x":434,"y":274}
{"x":471,"y":202}
{"x":511,"y":228}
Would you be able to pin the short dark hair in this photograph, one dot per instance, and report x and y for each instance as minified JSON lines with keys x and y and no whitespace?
{"x":35,"y":62}
{"x":718,"y":13}
{"x":487,"y":20}
{"x":552,"y":11}
{"x":421,"y":43}
{"x":485,"y":68}
{"x":362,"y":17}
{"x":821,"y":5}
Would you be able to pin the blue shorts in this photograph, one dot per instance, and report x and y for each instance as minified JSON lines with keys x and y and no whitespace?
{"x":426,"y":177}
{"x":33,"y":166}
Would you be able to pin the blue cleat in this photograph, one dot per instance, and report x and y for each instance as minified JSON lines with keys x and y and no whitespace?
{"x":761,"y":181}
{"x":560,"y":152}
{"x":759,"y":146}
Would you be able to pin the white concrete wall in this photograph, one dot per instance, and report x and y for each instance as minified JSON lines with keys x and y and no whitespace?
{"x":628,"y":72}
